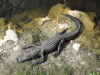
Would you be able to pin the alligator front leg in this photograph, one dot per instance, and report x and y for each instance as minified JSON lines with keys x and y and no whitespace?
{"x":26,"y":57}
{"x":42,"y":59}
{"x":59,"y":48}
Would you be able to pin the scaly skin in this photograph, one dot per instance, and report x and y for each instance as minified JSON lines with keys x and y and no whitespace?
{"x":51,"y":44}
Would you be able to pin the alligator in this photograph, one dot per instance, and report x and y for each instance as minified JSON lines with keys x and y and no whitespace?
{"x":54,"y":44}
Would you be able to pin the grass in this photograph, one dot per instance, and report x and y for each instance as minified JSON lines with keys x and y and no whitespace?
{"x":50,"y":70}
{"x":94,"y":73}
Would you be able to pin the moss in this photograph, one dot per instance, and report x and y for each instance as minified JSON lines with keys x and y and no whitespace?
{"x":27,"y":16}
{"x":92,"y":15}
{"x":88,"y":33}
{"x":89,"y":37}
{"x":56,"y":10}
{"x":3,"y":27}
{"x":2,"y":20}
{"x":27,"y":20}
{"x":88,"y":23}
{"x":91,"y":41}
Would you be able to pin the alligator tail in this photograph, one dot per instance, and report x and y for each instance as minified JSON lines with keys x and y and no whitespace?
{"x":71,"y":35}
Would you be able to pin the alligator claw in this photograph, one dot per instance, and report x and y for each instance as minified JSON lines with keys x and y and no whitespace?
{"x":19,"y":60}
{"x":34,"y":64}
{"x":26,"y":46}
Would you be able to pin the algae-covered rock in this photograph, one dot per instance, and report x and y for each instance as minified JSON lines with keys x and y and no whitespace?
{"x":30,"y":29}
{"x":56,"y":10}
{"x":27,"y":16}
{"x":29,"y":26}
{"x":3,"y":27}
{"x":89,"y":37}
{"x":2,"y":20}
{"x":31,"y":35}
{"x":50,"y":27}
{"x":87,"y":20}
{"x":92,"y":15}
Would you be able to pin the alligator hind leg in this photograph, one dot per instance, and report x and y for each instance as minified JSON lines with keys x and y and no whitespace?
{"x":29,"y":46}
{"x":59,"y":48}
{"x":42,"y":59}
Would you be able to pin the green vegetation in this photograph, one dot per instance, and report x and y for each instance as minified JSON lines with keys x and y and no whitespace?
{"x":94,"y":73}
{"x":28,"y":69}
{"x":3,"y":27}
{"x":56,"y":10}
{"x":50,"y":69}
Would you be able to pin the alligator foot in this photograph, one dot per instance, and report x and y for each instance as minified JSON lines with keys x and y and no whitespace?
{"x":19,"y":60}
{"x":42,"y":59}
